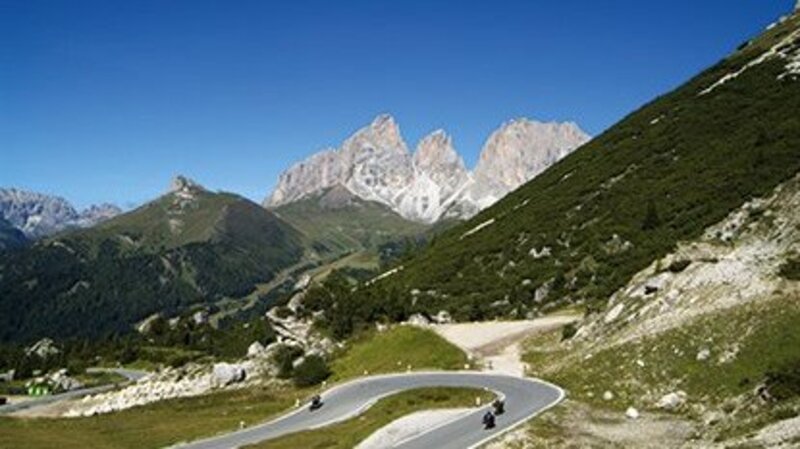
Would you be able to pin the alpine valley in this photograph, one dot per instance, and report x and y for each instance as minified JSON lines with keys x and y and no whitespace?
{"x":99,"y":271}
{"x":647,"y":279}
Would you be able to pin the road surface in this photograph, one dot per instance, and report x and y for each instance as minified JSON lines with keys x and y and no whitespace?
{"x":129,"y":374}
{"x":524,"y":399}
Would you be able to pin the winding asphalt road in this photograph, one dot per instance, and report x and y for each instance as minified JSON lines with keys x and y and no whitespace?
{"x":524,"y":399}
{"x":129,"y":374}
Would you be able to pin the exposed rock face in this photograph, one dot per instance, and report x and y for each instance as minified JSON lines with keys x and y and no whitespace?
{"x":97,"y":213}
{"x":39,"y":215}
{"x":181,"y":183}
{"x":227,"y":373}
{"x":440,"y":180}
{"x":375,"y":164}
{"x":43,"y":348}
{"x":522,"y":149}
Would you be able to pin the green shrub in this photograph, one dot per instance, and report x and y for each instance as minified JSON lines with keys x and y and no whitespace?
{"x":679,"y":265}
{"x":568,"y":331}
{"x":784,"y":383}
{"x":312,"y":371}
{"x":284,"y":358}
{"x":791,"y":270}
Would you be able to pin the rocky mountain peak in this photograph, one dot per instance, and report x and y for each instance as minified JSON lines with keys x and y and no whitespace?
{"x":181,"y":183}
{"x":374,"y":164}
{"x":521,"y":149}
{"x":436,"y":150}
{"x":386,"y":130}
{"x":381,"y":138}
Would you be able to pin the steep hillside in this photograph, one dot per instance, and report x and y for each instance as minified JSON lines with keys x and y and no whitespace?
{"x":584,"y":227}
{"x":337,"y":222}
{"x":708,"y":332}
{"x":189,"y":246}
{"x":10,"y":237}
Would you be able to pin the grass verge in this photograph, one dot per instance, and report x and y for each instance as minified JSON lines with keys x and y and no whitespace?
{"x":395,"y":350}
{"x":152,"y":426}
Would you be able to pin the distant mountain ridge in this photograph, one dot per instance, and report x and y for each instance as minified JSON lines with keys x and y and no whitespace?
{"x":38,"y":215}
{"x":432,"y":183}
{"x":187,"y":247}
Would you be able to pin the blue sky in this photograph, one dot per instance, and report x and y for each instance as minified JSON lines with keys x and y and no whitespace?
{"x":105,"y":100}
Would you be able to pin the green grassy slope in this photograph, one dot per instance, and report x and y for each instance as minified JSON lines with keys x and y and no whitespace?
{"x":338,"y":222}
{"x":164,"y":256}
{"x":661,"y":175}
{"x":397,"y":349}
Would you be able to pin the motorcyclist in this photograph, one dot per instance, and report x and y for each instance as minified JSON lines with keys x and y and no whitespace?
{"x":316,"y":402}
{"x":488,"y":420}
{"x":499,"y":406}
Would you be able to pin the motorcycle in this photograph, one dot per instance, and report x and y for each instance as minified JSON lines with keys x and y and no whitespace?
{"x":499,"y":406}
{"x":488,"y":420}
{"x":316,"y":403}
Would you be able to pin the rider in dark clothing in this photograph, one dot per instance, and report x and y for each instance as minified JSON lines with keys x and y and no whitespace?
{"x":316,"y":402}
{"x":488,"y":420}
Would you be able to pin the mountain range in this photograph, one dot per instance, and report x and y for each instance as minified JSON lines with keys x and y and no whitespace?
{"x":188,"y":247}
{"x":433,"y":183}
{"x":38,"y":215}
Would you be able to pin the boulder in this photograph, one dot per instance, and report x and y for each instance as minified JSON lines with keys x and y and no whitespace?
{"x":227,"y":373}
{"x":672,"y":401}
{"x":443,"y":317}
{"x":303,"y":283}
{"x":540,"y":254}
{"x":145,"y":325}
{"x":703,"y":355}
{"x":418,"y":320}
{"x":62,"y":382}
{"x":607,"y":396}
{"x":632,"y":413}
{"x":255,"y":349}
{"x":43,"y":348}
{"x":200,"y":317}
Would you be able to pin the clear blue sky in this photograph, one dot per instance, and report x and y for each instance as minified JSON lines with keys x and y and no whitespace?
{"x":106,"y":100}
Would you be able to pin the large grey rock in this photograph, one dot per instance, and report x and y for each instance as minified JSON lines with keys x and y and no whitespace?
{"x":228,"y":373}
{"x":672,"y":401}
{"x":255,"y":349}
{"x":62,"y":382}
{"x":43,"y":348}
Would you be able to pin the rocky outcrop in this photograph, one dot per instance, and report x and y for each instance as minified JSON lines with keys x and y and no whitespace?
{"x":38,"y":215}
{"x":375,"y":164}
{"x":43,"y":348}
{"x":228,"y":373}
{"x":522,"y":149}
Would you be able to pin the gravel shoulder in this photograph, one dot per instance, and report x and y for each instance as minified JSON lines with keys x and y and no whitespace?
{"x":496,"y":343}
